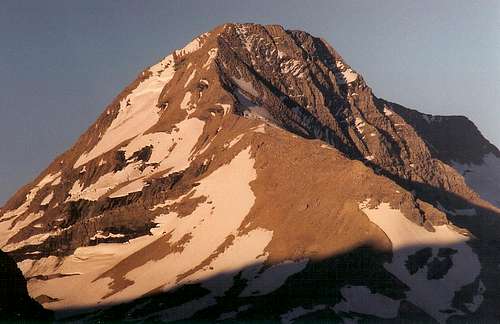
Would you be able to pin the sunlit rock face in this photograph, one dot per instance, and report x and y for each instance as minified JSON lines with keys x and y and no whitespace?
{"x":254,"y":175}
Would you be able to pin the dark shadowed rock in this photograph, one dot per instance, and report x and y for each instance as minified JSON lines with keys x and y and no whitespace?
{"x":15,"y":303}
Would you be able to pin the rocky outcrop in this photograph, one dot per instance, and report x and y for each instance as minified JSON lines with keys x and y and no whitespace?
{"x":451,"y":138}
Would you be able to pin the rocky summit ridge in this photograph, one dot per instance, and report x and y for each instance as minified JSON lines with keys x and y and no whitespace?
{"x":252,"y":175}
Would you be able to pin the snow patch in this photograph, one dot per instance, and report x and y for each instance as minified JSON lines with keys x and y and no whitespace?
{"x":245,"y":251}
{"x":137,"y":113}
{"x":263,"y":283}
{"x":281,"y":54}
{"x":226,"y":107}
{"x":359,"y":123}
{"x":8,"y":230}
{"x":483,"y":178}
{"x":190,"y":78}
{"x":52,"y":179}
{"x":298,"y":312}
{"x":292,"y":66}
{"x":359,"y":299}
{"x":100,"y":235}
{"x":32,"y":240}
{"x":457,"y":212}
{"x":251,"y":110}
{"x":186,"y":103}
{"x":477,"y":299}
{"x":233,"y":314}
{"x":345,"y":75}
{"x":212,"y":54}
{"x":234,"y":141}
{"x":430,"y":118}
{"x":47,"y":199}
{"x":134,"y":186}
{"x":259,"y":129}
{"x":246,"y":86}
{"x":433,"y":296}
{"x":192,"y":46}
{"x":171,"y":151}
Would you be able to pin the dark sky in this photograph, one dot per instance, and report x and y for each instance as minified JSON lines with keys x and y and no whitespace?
{"x":61,"y":62}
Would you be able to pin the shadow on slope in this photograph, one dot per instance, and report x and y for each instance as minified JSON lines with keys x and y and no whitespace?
{"x":483,"y":224}
{"x":310,"y":294}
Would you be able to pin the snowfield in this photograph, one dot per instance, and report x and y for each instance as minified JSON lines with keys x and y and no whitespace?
{"x":137,"y":113}
{"x":433,"y":296}
{"x":218,"y":219}
{"x":170,"y":151}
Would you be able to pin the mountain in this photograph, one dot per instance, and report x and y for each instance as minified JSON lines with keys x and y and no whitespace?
{"x":254,"y":175}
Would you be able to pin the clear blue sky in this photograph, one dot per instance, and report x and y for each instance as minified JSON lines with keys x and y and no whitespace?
{"x":61,"y":62}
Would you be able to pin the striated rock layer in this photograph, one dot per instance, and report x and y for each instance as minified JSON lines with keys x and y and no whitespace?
{"x":254,"y":175}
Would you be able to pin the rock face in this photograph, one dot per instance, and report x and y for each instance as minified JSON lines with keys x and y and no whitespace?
{"x":254,"y":175}
{"x":15,"y":303}
{"x":456,"y":141}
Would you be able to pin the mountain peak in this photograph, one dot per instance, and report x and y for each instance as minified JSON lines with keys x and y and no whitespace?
{"x":245,"y":164}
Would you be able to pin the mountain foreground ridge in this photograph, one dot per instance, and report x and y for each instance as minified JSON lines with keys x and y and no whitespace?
{"x":254,"y":175}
